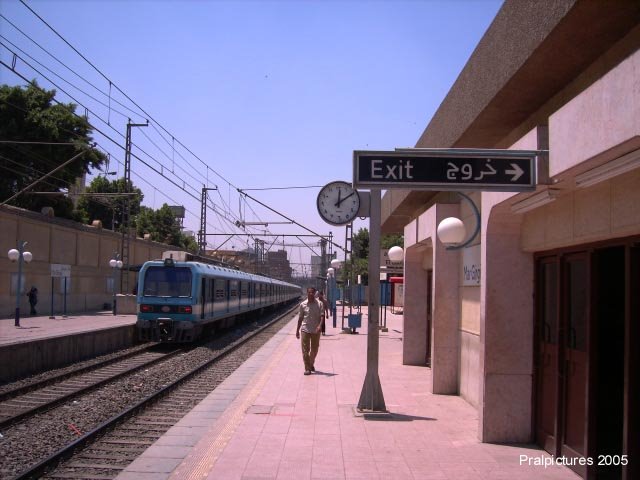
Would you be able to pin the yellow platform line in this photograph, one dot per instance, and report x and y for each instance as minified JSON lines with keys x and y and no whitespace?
{"x":205,"y":456}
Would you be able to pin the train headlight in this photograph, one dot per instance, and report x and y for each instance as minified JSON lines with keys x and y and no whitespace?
{"x":185,"y":309}
{"x":146,"y":308}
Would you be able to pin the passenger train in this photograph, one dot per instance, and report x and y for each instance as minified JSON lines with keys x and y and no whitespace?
{"x":178,"y":298}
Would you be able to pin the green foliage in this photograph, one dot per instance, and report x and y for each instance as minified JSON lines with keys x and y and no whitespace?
{"x":388,"y":241}
{"x":29,"y":114}
{"x":360,"y":264}
{"x":163,"y":227}
{"x":360,"y":244}
{"x":108,"y":209}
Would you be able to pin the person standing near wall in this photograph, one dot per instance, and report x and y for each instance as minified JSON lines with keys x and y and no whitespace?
{"x":310,"y":321}
{"x":33,"y":299}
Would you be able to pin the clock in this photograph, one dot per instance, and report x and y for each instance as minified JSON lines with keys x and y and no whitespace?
{"x":338,"y":203}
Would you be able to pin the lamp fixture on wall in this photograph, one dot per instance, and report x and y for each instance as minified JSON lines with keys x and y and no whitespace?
{"x":611,"y":169}
{"x":451,"y":231}
{"x":536,"y":200}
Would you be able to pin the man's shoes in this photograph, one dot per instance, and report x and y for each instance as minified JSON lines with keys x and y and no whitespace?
{"x":307,"y":372}
{"x":313,"y":369}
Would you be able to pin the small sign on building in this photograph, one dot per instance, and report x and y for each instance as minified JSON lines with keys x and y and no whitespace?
{"x":388,"y":266}
{"x":471,"y":266}
{"x":60,"y":270}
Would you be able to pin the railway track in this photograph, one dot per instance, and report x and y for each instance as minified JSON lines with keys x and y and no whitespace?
{"x":23,"y":402}
{"x":100,"y":449}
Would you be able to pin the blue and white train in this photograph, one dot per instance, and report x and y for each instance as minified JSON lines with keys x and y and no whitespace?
{"x":177,"y":300}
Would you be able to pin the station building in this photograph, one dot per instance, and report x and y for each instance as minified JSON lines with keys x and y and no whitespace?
{"x":537,"y":322}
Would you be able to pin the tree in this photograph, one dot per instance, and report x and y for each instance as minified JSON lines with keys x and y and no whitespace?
{"x":28,"y":114}
{"x":161,"y":224}
{"x":360,"y":245}
{"x":361,"y":251}
{"x":360,"y":255}
{"x":388,"y":241}
{"x":108,"y":206}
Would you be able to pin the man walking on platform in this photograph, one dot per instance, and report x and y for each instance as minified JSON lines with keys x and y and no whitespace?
{"x":310,"y":321}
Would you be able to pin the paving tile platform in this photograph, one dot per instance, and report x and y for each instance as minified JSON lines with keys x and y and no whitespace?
{"x":269,"y":421}
{"x":42,"y":327}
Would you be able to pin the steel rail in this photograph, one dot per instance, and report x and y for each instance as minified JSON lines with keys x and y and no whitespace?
{"x":13,"y":419}
{"x":43,"y":466}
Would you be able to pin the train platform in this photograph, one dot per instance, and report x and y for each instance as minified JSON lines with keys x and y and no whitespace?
{"x":41,"y":343}
{"x":41,"y":327}
{"x":268,"y":420}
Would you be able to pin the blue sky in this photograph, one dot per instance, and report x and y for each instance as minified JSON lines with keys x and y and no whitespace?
{"x":265,"y":94}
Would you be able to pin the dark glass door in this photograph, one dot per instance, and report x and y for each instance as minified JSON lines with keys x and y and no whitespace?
{"x":547,"y":355}
{"x":574,"y":338}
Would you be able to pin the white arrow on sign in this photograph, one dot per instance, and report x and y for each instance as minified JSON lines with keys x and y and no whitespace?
{"x":516,"y":172}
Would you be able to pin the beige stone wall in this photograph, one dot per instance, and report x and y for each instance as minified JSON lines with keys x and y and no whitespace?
{"x":605,"y":210}
{"x":86,"y":249}
{"x":469,"y":367}
{"x":602,"y":117}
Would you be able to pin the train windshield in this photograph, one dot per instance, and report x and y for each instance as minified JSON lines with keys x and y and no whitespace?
{"x":167,"y":282}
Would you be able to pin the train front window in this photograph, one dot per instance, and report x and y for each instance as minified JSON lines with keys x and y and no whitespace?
{"x":167,"y":282}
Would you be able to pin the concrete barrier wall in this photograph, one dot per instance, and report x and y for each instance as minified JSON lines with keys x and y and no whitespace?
{"x":85,"y":249}
{"x":23,"y":359}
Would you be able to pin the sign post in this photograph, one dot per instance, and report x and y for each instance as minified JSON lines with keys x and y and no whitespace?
{"x":371,"y":397}
{"x":427,"y":169}
{"x":59,"y":270}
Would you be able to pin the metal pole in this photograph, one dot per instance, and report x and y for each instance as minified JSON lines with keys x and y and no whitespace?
{"x":52,"y":314}
{"x":371,"y":397}
{"x":21,"y":245}
{"x":114,"y":267}
{"x":114,"y":290}
{"x":64,"y":305}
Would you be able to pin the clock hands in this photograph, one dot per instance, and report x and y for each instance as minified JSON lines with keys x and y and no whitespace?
{"x":342,"y":200}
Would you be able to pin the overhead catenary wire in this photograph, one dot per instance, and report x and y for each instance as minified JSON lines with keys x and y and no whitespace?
{"x":109,"y":138}
{"x":124,"y":115}
{"x":162,"y":166}
{"x":226,"y":213}
{"x":65,"y":66}
{"x":116,"y":87}
{"x":135,"y":156}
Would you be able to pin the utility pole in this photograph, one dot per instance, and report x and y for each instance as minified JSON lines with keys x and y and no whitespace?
{"x":126,"y":237}
{"x":323,"y":258}
{"x":260,"y":256}
{"x":202,"y":233}
{"x":347,"y":271}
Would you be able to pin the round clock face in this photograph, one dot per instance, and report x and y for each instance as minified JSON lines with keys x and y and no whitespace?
{"x":338,"y":203}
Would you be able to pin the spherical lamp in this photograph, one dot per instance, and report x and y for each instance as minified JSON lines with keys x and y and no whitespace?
{"x":451,"y":231}
{"x":396,"y":254}
{"x":27,"y":256}
{"x":13,"y":255}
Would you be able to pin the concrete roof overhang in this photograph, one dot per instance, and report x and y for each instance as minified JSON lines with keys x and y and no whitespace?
{"x":530,"y":52}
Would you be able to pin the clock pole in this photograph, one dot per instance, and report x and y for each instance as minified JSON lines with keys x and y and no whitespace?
{"x":371,"y":397}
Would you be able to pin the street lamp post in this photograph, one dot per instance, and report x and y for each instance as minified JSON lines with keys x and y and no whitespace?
{"x":19,"y":255}
{"x":115,"y":264}
{"x":335,"y":291}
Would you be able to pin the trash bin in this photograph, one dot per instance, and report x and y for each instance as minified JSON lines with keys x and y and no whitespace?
{"x":354,"y":320}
